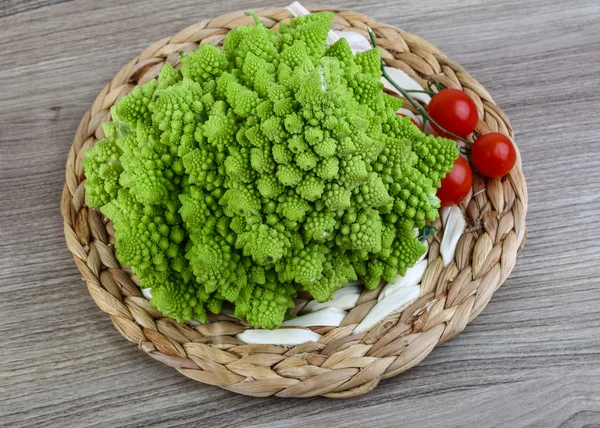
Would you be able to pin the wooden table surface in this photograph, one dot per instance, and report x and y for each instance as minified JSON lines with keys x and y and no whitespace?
{"x":531,"y":359}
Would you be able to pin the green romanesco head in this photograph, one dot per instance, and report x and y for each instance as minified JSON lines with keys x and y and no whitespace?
{"x":102,"y":167}
{"x":274,"y":165}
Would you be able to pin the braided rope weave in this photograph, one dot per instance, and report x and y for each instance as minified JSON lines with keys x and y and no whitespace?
{"x":340,"y":364}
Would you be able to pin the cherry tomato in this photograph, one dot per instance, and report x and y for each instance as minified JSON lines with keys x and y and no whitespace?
{"x":456,"y":184}
{"x":454,"y":111}
{"x":411,"y":119}
{"x":494,"y":155}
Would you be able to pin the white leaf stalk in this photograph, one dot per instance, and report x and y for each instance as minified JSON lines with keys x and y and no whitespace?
{"x":454,"y":226}
{"x":343,"y":299}
{"x":147,"y":293}
{"x":413,"y":277}
{"x":282,"y":336}
{"x":328,"y":317}
{"x":395,"y":302}
{"x":297,"y":9}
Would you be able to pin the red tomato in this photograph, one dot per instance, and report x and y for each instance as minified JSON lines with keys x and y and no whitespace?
{"x":456,"y":184}
{"x":494,"y":155}
{"x":454,"y":111}
{"x":411,"y":119}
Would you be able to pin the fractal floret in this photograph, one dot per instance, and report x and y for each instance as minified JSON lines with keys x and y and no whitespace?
{"x":272,"y":166}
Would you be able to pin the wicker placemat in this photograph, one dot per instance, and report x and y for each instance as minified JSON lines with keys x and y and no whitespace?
{"x":340,"y":364}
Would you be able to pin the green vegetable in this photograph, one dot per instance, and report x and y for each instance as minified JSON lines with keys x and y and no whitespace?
{"x":275,"y":165}
{"x":426,"y":232}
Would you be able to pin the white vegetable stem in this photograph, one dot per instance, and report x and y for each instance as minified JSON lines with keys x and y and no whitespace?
{"x":454,"y":226}
{"x":328,"y":317}
{"x":147,"y":293}
{"x":297,"y":9}
{"x":282,"y":336}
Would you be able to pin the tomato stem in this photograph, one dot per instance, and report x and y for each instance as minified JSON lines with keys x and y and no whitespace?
{"x":410,"y":99}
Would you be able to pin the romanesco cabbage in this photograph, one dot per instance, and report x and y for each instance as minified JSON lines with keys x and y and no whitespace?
{"x":275,"y":165}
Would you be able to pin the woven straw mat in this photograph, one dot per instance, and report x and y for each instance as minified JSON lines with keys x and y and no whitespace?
{"x":340,"y":364}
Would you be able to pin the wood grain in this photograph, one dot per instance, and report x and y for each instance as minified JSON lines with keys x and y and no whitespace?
{"x":532,"y":358}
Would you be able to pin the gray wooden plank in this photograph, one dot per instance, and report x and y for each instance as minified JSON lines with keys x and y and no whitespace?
{"x":530,"y":359}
